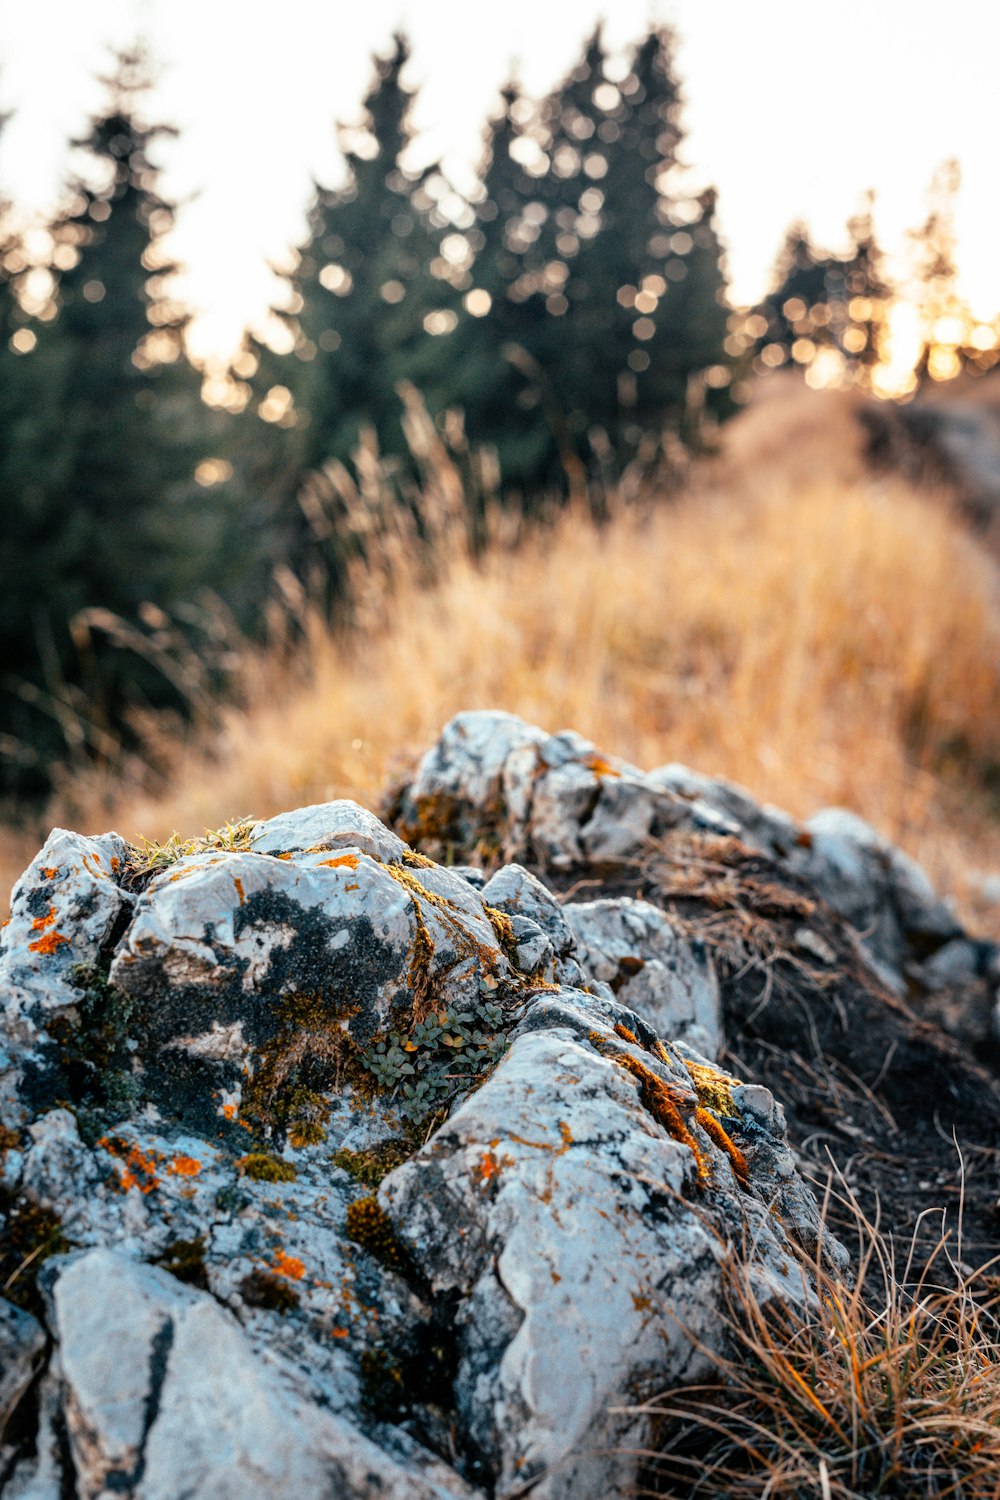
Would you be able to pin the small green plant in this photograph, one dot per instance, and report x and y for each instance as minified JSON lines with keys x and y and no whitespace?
{"x":263,"y":1167}
{"x":371,"y":1166}
{"x":447,"y":1053}
{"x":147,"y":858}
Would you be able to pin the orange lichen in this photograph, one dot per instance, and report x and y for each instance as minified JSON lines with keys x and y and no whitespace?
{"x":40,"y":923}
{"x":50,"y":943}
{"x":600,"y":766}
{"x":138,"y":1167}
{"x":184,"y":1166}
{"x":488,"y":1166}
{"x":341,"y":862}
{"x":116,"y":863}
{"x":289,"y":1265}
{"x":50,"y":871}
{"x":339,"y":1333}
{"x":626,"y":1035}
{"x":716,"y":1133}
{"x":665,"y":1103}
{"x":237,"y":882}
{"x":713,"y":1090}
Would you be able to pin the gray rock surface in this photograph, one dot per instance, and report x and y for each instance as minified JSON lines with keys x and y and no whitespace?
{"x":560,"y":803}
{"x":663,"y":975}
{"x":351,"y":1174}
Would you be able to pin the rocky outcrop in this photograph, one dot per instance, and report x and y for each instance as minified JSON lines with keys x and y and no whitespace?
{"x":329,"y":1169}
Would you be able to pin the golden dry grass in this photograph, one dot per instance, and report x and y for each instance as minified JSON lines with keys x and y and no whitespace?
{"x":816,"y":634}
{"x":888,"y":1384}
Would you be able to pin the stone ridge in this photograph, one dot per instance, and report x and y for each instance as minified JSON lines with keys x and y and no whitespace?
{"x":327,"y":1168}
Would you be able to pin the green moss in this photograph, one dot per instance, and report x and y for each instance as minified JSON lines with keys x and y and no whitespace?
{"x":263,"y":1167}
{"x":369,"y":1226}
{"x":371,"y":1166}
{"x":382,"y":1384}
{"x":310,"y":1057}
{"x":265,"y":1289}
{"x":30,"y":1235}
{"x":185,"y":1259}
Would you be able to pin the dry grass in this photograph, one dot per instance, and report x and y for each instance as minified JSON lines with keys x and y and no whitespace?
{"x":791,"y":623}
{"x":886,"y":1386}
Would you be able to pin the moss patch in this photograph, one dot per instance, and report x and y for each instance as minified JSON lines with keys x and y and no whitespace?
{"x":185,"y":1259}
{"x":371,"y":1166}
{"x":266,"y":1289}
{"x":29,"y":1237}
{"x":263,"y":1167}
{"x":369,"y":1226}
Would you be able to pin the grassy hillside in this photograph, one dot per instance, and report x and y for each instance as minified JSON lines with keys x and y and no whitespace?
{"x":817,"y":634}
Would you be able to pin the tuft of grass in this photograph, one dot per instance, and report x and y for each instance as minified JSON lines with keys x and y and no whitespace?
{"x":147,"y":858}
{"x":886,"y":1386}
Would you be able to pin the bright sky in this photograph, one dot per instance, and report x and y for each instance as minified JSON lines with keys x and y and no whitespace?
{"x":793,"y":109}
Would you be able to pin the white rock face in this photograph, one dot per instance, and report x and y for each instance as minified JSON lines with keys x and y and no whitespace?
{"x":262,"y":1034}
{"x":164,"y":1396}
{"x":558,"y":801}
{"x":571,"y":1225}
{"x":66,"y":910}
{"x":328,"y":826}
{"x":652,"y":967}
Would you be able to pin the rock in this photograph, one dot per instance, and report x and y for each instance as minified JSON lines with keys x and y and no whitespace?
{"x":325,"y":827}
{"x":560,"y":803}
{"x":22,"y":1345}
{"x":663,"y":976}
{"x":566,"y":1310}
{"x":877,"y":888}
{"x":339,"y":1171}
{"x":224,"y":946}
{"x":514,"y":890}
{"x":164,"y":1396}
{"x":67,"y":909}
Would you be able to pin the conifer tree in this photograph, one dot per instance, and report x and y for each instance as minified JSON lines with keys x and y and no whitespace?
{"x":502,"y":330}
{"x":362,"y":295}
{"x":109,"y":508}
{"x":369,"y":294}
{"x":868,"y":291}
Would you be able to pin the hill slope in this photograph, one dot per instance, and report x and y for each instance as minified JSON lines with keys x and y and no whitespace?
{"x":791,"y":622}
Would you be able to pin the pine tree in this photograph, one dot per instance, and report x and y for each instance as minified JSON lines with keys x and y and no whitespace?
{"x":863,"y":336}
{"x":502,"y":329}
{"x":944,"y":317}
{"x":369,"y":294}
{"x":109,"y":505}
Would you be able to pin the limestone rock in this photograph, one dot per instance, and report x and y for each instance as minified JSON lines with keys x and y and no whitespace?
{"x":665,"y":977}
{"x":375,"y":1182}
{"x":164,"y":1396}
{"x":568,"y":1309}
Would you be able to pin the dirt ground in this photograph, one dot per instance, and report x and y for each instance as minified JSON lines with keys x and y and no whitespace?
{"x":878,"y":1099}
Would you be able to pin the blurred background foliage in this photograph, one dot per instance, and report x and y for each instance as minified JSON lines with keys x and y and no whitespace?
{"x":559,"y":334}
